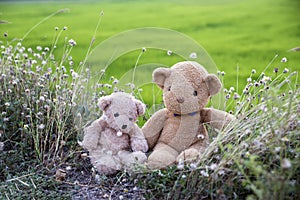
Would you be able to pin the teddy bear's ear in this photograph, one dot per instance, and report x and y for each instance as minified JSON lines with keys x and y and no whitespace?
{"x":160,"y":75}
{"x":104,"y":102}
{"x":213,"y":84}
{"x":140,"y":107}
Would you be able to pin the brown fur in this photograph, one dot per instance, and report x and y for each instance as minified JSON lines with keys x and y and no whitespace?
{"x":177,"y":131}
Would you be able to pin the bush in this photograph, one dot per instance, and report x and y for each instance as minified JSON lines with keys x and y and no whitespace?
{"x":36,"y":102}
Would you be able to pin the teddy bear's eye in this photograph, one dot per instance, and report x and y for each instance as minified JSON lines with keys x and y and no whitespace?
{"x":116,"y":114}
{"x":130,"y":119}
{"x":195,"y":93}
{"x":169,"y":88}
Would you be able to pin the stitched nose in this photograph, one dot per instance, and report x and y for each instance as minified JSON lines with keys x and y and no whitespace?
{"x":124,"y":126}
{"x":180,"y":99}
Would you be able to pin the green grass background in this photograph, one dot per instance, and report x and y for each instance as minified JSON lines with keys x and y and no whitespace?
{"x":245,"y":33}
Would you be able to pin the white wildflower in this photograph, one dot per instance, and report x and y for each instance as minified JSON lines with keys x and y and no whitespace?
{"x":204,"y":173}
{"x":72,"y":42}
{"x":236,"y":96}
{"x":115,"y":81}
{"x":277,"y":149}
{"x":285,"y":164}
{"x":39,"y":48}
{"x":284,"y":59}
{"x":213,"y":166}
{"x":180,"y":164}
{"x":193,"y":166}
{"x":193,"y":55}
{"x":266,"y":79}
{"x":97,"y":178}
{"x":42,"y":98}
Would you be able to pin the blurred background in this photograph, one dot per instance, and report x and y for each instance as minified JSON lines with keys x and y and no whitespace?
{"x":238,"y":35}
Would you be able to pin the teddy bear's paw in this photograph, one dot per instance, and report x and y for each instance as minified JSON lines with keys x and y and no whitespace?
{"x":129,"y":158}
{"x":139,"y":157}
{"x":139,"y":145}
{"x":105,"y":163}
{"x":89,"y":144}
{"x":188,"y":155}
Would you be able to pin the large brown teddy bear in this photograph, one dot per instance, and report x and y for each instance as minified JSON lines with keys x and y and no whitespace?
{"x":115,"y":141}
{"x":177,"y":132}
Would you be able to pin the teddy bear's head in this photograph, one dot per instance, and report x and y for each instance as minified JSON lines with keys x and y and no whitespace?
{"x":121,"y":110}
{"x":187,"y":86}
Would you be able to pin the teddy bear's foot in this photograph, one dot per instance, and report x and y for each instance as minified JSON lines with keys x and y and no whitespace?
{"x":105,"y":164}
{"x":188,"y":155}
{"x":127,"y":158}
{"x":162,"y":156}
{"x":103,"y":169}
{"x":130,"y":160}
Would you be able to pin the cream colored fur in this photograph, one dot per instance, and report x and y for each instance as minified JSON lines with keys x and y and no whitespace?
{"x":115,"y":141}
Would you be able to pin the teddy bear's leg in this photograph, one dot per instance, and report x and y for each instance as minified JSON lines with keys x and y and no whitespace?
{"x":130,"y":159}
{"x":162,"y":156}
{"x":189,"y":154}
{"x":105,"y":163}
{"x":194,"y":152}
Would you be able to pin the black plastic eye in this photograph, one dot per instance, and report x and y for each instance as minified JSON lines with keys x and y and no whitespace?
{"x":130,"y":119}
{"x":195,"y":93}
{"x":116,"y":114}
{"x":169,"y":88}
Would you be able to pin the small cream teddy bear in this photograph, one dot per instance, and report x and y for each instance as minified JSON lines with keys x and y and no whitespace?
{"x":114,"y":141}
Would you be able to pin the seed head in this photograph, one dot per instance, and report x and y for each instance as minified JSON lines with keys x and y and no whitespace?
{"x":284,"y":59}
{"x":193,"y":55}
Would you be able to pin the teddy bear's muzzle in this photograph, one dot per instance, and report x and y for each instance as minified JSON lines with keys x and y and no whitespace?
{"x":180,"y":99}
{"x":123,"y":123}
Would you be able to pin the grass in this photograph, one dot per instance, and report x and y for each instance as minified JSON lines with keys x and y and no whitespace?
{"x":47,"y":97}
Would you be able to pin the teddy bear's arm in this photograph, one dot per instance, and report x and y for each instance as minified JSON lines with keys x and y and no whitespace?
{"x":137,"y":140}
{"x":92,"y":134}
{"x":216,"y":118}
{"x":153,"y":127}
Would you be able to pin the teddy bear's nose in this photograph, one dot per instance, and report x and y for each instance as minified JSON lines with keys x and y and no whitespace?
{"x":180,"y":99}
{"x":124,"y":126}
